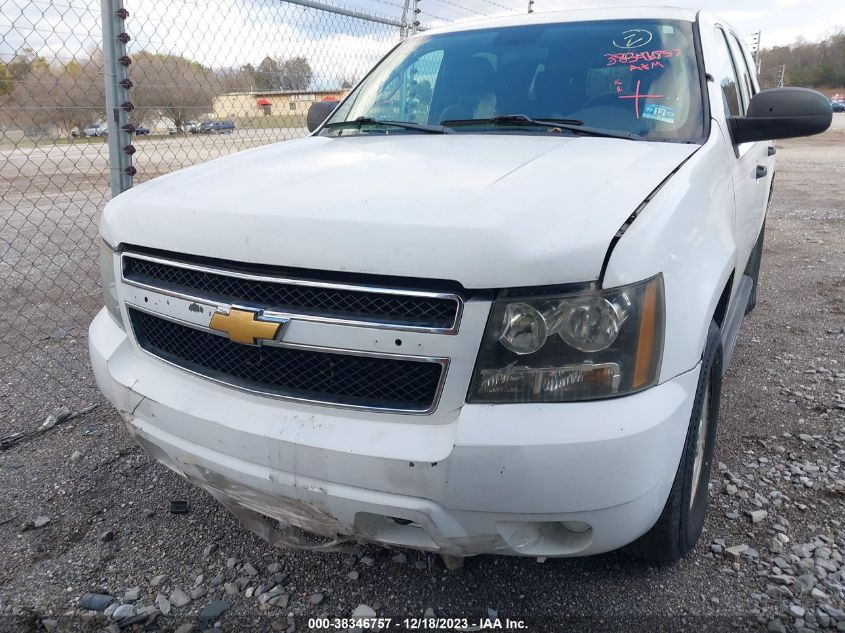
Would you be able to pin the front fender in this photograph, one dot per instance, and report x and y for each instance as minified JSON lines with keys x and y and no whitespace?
{"x":686,"y":232}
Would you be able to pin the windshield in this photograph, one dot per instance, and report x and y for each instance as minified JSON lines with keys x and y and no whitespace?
{"x":638,"y":77}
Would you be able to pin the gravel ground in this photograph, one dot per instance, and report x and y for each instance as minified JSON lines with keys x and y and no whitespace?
{"x":770,"y":558}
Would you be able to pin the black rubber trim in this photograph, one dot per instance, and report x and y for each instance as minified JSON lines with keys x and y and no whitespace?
{"x":702,"y":77}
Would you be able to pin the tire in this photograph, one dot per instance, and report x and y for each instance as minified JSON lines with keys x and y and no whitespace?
{"x":753,"y":269}
{"x":682,"y":520}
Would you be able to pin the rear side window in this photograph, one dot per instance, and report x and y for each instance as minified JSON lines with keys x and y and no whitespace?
{"x":725,"y":74}
{"x":742,"y":65}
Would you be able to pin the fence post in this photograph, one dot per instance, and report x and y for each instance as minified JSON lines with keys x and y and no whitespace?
{"x":403,"y":30}
{"x":415,"y":25}
{"x":116,"y":76}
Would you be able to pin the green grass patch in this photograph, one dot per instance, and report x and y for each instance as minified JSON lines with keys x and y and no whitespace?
{"x":294,"y":119}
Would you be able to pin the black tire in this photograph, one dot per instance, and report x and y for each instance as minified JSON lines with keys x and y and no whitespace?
{"x":682,"y":520}
{"x":753,"y":269}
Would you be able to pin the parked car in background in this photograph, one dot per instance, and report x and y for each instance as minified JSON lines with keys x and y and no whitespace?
{"x":837,"y":106}
{"x":490,"y":317}
{"x":187,"y":126}
{"x":96,"y":130}
{"x":215,"y":127}
{"x":142,"y":131}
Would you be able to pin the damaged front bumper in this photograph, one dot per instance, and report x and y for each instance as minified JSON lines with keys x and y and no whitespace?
{"x":535,"y":480}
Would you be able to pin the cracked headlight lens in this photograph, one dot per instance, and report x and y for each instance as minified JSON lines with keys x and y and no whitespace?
{"x":572,"y":346}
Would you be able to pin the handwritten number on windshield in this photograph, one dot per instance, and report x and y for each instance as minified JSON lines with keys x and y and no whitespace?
{"x":630,"y":57}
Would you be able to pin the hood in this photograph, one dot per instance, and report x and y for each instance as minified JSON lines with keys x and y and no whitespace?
{"x":488,"y":211}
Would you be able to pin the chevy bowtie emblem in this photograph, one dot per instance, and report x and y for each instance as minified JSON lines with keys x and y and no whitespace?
{"x":246,"y":326}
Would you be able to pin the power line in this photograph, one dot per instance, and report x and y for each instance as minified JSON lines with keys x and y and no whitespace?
{"x":501,"y":6}
{"x":458,"y":6}
{"x":436,"y":17}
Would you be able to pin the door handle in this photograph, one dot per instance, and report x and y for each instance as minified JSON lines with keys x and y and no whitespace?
{"x":761,"y":171}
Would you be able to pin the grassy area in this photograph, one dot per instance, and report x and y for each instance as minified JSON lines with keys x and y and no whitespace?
{"x":7,"y":142}
{"x":258,"y":123}
{"x":294,"y":119}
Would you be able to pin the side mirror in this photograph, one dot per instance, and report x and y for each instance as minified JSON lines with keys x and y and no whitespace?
{"x":319,"y":112}
{"x":782,"y":113}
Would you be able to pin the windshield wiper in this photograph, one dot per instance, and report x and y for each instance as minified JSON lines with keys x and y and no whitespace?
{"x":572,"y":125}
{"x":405,"y":125}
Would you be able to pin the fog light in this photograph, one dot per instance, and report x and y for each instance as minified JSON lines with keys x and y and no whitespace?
{"x":575,"y":526}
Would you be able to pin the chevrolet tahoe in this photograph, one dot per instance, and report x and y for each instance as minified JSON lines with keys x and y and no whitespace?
{"x":484,"y":307}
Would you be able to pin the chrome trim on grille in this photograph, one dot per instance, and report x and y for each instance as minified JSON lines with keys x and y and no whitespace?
{"x":443,"y":362}
{"x":458,"y":299}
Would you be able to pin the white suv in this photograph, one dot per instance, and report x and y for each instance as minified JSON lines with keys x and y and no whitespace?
{"x":484,"y":308}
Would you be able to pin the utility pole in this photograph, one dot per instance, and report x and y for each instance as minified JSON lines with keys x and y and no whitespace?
{"x":530,"y":6}
{"x":782,"y":75}
{"x":755,"y":49}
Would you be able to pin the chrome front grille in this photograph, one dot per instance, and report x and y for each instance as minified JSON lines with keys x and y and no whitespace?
{"x":397,"y":309}
{"x":174,"y":308}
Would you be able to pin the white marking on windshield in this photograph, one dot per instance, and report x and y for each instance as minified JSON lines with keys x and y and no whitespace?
{"x":633,"y":38}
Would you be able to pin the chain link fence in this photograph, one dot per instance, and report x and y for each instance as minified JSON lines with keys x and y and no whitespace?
{"x":213,"y":77}
{"x":53,"y":183}
{"x":205,"y":78}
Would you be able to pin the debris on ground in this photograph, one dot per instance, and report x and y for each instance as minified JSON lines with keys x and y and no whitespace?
{"x":179,"y":507}
{"x":95,"y":601}
{"x":59,"y":416}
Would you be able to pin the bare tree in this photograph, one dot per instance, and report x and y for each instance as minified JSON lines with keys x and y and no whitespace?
{"x":235,"y":79}
{"x":5,"y":80}
{"x":171,"y":87}
{"x":60,"y":97}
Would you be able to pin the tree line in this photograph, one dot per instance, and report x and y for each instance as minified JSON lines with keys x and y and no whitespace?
{"x":810,"y":64}
{"x":35,"y":93}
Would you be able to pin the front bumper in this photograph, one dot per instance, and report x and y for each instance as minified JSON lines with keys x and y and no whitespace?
{"x":534,"y":480}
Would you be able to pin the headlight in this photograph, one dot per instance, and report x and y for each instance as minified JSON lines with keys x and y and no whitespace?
{"x":108,"y":282}
{"x":578,"y":346}
{"x":524,"y":330}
